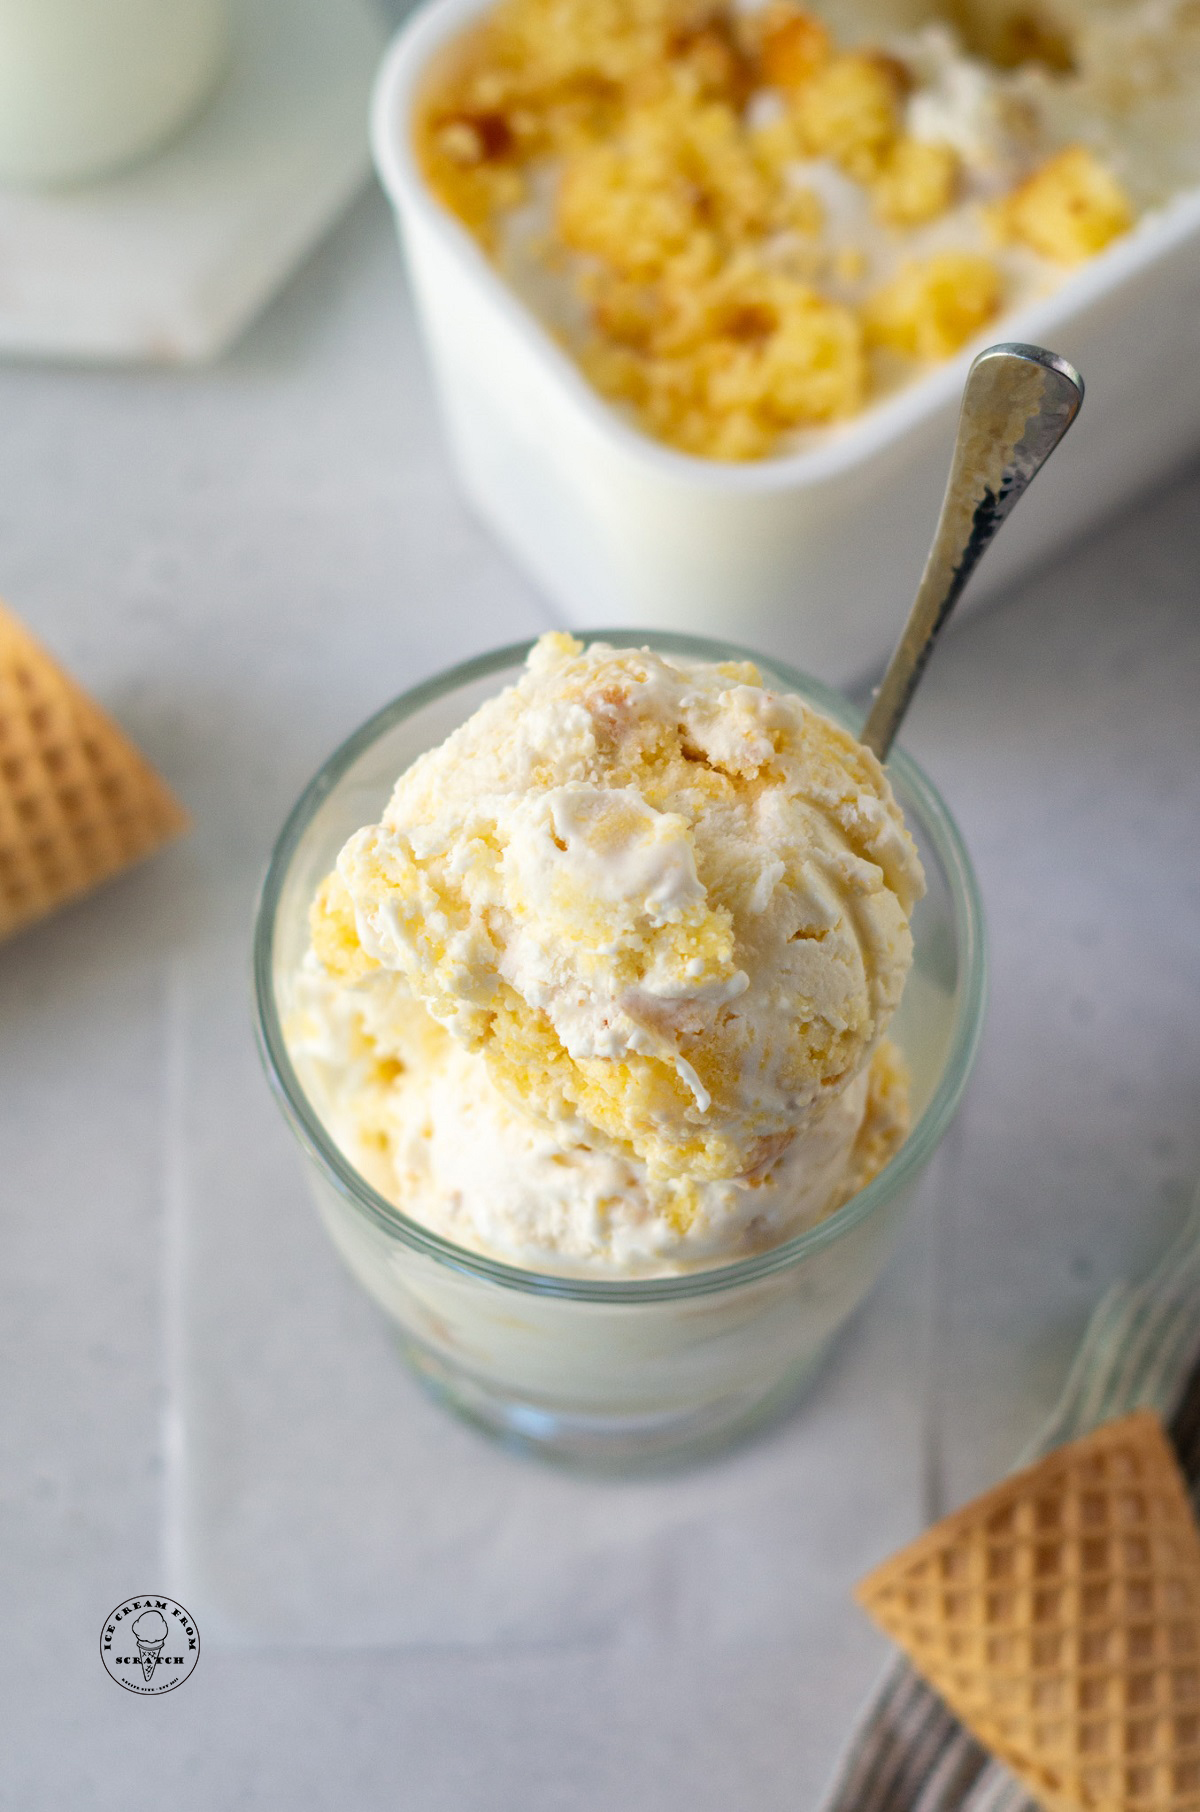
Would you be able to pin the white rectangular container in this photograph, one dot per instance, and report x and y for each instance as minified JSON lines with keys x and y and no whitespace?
{"x":812,"y":556}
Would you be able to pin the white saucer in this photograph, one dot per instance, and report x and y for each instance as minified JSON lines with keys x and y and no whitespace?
{"x":168,"y":261}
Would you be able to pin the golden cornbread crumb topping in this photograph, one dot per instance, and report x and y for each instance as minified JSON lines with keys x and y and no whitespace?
{"x":1070,"y":209}
{"x":744,"y":213}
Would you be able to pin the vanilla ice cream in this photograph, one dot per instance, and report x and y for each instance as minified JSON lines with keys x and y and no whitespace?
{"x":606,"y":989}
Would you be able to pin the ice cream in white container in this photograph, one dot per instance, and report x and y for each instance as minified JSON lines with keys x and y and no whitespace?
{"x":812,"y":554}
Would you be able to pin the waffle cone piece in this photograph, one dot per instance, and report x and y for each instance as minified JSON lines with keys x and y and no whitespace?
{"x":78,"y":803}
{"x":1059,"y":1618}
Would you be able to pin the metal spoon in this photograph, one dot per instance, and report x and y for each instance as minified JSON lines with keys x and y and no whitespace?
{"x":1018,"y":403}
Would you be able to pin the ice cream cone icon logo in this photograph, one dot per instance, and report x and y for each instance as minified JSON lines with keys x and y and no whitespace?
{"x":149,"y":1644}
{"x":150,"y":1632}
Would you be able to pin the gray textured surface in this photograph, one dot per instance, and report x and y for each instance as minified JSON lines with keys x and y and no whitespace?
{"x":241,"y":564}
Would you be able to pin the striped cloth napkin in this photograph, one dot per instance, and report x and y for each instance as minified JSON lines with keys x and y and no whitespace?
{"x":1141,"y":1351}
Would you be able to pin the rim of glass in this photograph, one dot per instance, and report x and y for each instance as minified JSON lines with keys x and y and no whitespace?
{"x":967,"y":904}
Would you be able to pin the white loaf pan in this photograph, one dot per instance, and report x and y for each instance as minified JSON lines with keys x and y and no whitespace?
{"x":812,"y":556}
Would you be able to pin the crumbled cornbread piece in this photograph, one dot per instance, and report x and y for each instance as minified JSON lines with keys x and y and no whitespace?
{"x":334,"y":933}
{"x":726,"y":364}
{"x":915,"y":183}
{"x":1069,"y":210}
{"x":679,"y":181}
{"x":933,"y":307}
{"x":792,"y":46}
{"x":849,"y":110}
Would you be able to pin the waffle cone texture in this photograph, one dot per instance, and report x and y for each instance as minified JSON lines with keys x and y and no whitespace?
{"x":78,"y":803}
{"x":1059,"y":1617}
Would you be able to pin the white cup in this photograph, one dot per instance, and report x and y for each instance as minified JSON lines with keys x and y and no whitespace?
{"x":89,"y":85}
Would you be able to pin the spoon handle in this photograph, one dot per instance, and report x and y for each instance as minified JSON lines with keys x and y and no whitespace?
{"x":1018,"y":403}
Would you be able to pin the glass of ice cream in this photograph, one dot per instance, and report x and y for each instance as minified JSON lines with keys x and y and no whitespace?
{"x":619,"y":1040}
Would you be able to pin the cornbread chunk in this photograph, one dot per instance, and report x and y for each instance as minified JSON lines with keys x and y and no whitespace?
{"x":1070,"y":209}
{"x":916,"y":182}
{"x":723,"y":364}
{"x":677,"y":185}
{"x":793,"y":46}
{"x":930,"y":309}
{"x":849,"y":111}
{"x":334,"y":933}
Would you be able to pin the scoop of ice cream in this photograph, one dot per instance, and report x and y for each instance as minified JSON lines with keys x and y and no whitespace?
{"x":666,"y":905}
{"x":150,"y":1628}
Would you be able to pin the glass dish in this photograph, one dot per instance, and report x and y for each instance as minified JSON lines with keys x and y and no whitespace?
{"x":603,"y":1372}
